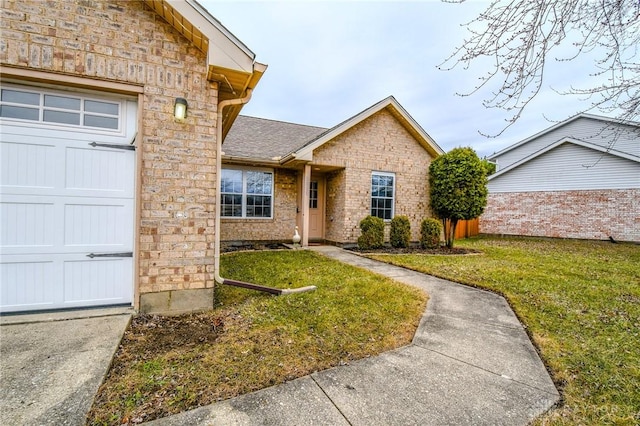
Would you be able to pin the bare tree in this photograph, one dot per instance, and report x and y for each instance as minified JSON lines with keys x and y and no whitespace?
{"x":520,"y":37}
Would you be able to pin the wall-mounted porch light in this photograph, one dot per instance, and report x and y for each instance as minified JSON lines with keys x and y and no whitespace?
{"x":180,"y":109}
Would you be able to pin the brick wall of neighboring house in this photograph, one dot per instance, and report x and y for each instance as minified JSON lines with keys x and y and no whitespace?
{"x":595,"y":214}
{"x":127,"y":42}
{"x":281,"y":227}
{"x":379,"y":143}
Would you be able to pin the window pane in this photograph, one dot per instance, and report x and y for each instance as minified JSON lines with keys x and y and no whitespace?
{"x":62,"y":102}
{"x":388,"y":191}
{"x":231,"y":205}
{"x":101,"y":107}
{"x":18,"y":97}
{"x":19,"y":112}
{"x":258,"y":206}
{"x":259,"y":183}
{"x":104,"y":122}
{"x":313,"y":194}
{"x":61,"y":117}
{"x":231,"y":181}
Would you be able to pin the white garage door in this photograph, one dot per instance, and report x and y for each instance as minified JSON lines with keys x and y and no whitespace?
{"x":67,"y":199}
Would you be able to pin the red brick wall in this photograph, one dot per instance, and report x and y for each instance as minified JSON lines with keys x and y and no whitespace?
{"x":595,"y":214}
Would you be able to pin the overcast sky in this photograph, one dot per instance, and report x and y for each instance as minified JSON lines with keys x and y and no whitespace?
{"x":330,"y":60}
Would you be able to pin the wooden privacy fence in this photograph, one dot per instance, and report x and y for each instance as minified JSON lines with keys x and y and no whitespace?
{"x":466,"y":228}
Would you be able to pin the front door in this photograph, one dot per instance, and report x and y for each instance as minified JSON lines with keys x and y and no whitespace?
{"x":316,"y":208}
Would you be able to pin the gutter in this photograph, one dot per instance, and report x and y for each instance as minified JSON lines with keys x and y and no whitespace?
{"x":289,"y":157}
{"x":249,"y":161}
{"x":218,"y":210}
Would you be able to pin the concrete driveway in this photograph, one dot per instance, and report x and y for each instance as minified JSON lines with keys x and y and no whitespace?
{"x":52,"y":364}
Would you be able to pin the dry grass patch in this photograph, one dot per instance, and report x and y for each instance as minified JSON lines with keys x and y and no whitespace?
{"x":251,"y":340}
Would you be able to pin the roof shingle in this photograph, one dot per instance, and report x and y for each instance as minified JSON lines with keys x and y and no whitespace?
{"x":263,"y":139}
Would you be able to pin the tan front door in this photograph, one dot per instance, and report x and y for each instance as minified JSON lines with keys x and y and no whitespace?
{"x":316,"y":208}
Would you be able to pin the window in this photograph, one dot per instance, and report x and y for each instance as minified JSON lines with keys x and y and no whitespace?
{"x":382,"y":194}
{"x":246,"y":193}
{"x":67,"y":110}
{"x":313,"y":194}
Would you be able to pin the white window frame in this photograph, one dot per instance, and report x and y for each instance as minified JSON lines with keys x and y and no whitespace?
{"x":392,"y":198}
{"x":244,"y":194}
{"x":81,"y":97}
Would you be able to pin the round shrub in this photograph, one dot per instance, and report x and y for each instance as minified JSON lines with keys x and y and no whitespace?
{"x":430,"y":231}
{"x":400,"y":232}
{"x":372,"y":236}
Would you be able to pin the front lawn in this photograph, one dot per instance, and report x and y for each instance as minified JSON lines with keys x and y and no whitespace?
{"x":252,"y":340}
{"x":580,"y":302}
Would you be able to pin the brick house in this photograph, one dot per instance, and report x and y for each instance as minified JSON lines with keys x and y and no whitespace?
{"x":106,"y":198}
{"x":577,"y":179}
{"x":277,"y":176}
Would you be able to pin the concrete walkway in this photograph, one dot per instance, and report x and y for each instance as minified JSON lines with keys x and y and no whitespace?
{"x":52,"y":364}
{"x":470,"y":363}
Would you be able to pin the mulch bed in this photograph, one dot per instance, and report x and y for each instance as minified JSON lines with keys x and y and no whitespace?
{"x":251,"y":246}
{"x":416,"y":250}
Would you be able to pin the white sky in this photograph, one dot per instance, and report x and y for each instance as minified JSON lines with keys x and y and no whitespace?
{"x":330,"y":60}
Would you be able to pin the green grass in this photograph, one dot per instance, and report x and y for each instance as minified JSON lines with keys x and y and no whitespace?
{"x":580,"y":302}
{"x":253,"y":340}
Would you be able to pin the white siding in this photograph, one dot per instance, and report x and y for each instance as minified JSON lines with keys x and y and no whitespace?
{"x":625,"y":139}
{"x":563,"y":168}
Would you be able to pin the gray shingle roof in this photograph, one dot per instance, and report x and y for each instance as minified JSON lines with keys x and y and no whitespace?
{"x":260,"y":138}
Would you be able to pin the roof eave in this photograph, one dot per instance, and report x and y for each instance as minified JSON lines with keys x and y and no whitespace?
{"x":558,"y":125}
{"x":232,"y":85}
{"x":230,"y":159}
{"x":230,"y":62}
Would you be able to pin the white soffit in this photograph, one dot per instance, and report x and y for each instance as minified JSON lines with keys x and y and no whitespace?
{"x":193,"y":21}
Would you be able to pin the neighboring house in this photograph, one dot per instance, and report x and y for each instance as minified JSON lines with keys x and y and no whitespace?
{"x":105,"y":197}
{"x":277,"y":176}
{"x":577,"y":179}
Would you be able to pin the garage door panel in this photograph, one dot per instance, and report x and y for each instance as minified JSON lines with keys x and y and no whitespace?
{"x":96,"y":170}
{"x":47,"y":225}
{"x":27,"y":165}
{"x":27,"y":225}
{"x":28,"y":285}
{"x":27,"y":282}
{"x":98,"y":226}
{"x":97,"y":281}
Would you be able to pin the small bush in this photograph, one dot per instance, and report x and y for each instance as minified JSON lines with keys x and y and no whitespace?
{"x":372,"y":233}
{"x":430,"y":231}
{"x":400,"y":232}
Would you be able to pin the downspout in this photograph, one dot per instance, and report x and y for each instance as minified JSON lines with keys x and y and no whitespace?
{"x":218,"y":210}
